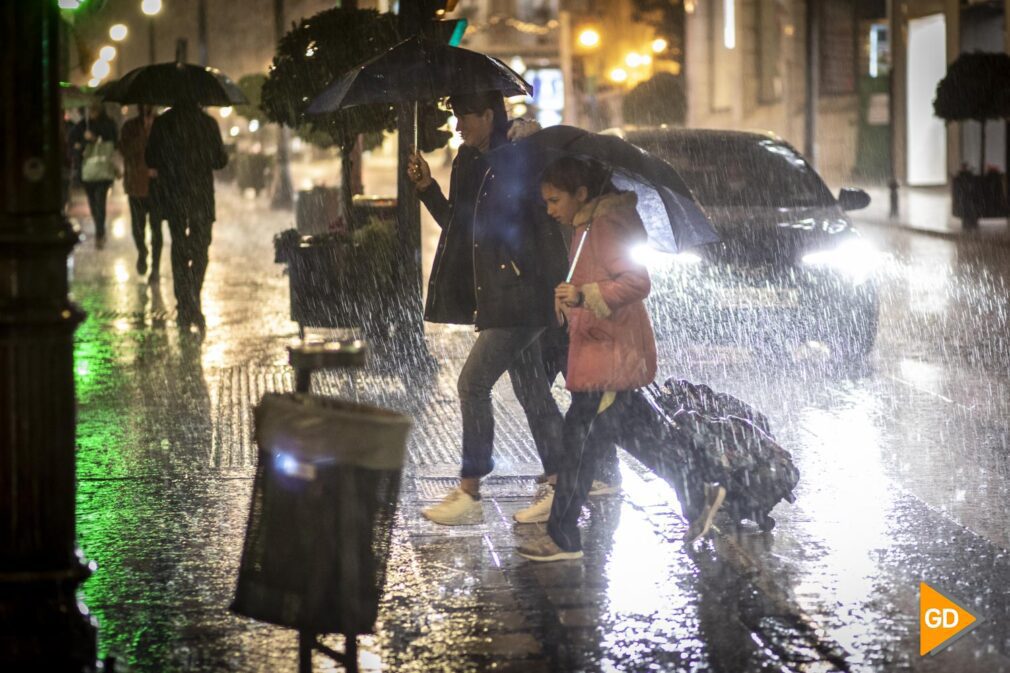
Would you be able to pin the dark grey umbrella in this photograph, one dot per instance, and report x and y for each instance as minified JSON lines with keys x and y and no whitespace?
{"x":419,"y":69}
{"x":672,"y":216}
{"x":169,"y":83}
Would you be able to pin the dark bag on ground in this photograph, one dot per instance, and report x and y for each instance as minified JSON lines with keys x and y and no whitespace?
{"x":689,"y":435}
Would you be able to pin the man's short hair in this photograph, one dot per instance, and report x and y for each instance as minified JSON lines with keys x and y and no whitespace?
{"x":470,"y":103}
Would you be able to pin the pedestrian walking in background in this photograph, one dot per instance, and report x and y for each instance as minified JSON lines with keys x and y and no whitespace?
{"x":95,"y":138}
{"x":612,"y":349}
{"x":137,"y":185}
{"x":491,"y":270}
{"x":184,"y":149}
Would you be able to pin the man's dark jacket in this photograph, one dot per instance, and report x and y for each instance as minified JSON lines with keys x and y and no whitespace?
{"x":499,"y":256}
{"x":185,"y":148}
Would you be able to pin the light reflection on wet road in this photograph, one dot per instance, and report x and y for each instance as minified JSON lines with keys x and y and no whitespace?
{"x":903,"y":462}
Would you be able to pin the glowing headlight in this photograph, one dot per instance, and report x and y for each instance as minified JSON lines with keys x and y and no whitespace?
{"x":654,"y":259}
{"x":856,"y":259}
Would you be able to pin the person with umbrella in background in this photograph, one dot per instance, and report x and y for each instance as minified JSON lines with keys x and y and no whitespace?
{"x":184,"y":149}
{"x":137,"y":185}
{"x":492,"y":269}
{"x":95,"y":138}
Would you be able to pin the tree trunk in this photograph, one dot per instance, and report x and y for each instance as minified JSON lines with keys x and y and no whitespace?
{"x":981,"y":151}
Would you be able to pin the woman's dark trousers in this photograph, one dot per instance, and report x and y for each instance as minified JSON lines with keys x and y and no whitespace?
{"x":588,"y":437}
{"x":140,"y":211}
{"x":517,"y":351}
{"x":98,"y":195}
{"x":190,"y":253}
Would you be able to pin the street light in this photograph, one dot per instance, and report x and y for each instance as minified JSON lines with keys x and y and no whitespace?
{"x":107,"y":53}
{"x":589,"y":38}
{"x":659,"y":45}
{"x":619,"y":75}
{"x":118,"y":32}
{"x":633,"y":60}
{"x":100,"y":69}
{"x":151,"y":9}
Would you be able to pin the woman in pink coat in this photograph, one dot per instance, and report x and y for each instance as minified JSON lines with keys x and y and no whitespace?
{"x":612,"y":351}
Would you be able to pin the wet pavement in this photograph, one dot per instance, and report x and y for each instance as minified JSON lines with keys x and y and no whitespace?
{"x":903,"y":462}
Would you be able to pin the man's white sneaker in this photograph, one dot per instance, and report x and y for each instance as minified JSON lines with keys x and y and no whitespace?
{"x":540,"y":510}
{"x":603,"y":488}
{"x":458,"y":508}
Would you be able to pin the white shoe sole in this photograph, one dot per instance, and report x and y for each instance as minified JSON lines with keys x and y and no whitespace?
{"x":468,"y":519}
{"x":540,"y":518}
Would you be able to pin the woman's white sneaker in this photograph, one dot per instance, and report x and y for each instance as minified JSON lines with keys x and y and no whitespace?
{"x":458,"y":508}
{"x":540,"y":510}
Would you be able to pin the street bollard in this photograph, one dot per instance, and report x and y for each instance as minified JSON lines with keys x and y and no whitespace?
{"x":307,"y":356}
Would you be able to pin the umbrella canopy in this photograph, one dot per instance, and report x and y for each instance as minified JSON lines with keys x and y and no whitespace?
{"x":672,"y":216}
{"x":73,"y":96}
{"x":419,"y":69}
{"x":168,"y":83}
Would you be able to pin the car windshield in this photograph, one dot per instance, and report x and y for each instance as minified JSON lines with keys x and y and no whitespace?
{"x":731,"y":171}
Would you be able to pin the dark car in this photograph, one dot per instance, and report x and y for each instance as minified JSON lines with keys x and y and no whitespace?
{"x":789,"y":269}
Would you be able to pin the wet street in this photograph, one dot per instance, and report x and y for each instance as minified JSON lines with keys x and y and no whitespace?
{"x":904,"y":466}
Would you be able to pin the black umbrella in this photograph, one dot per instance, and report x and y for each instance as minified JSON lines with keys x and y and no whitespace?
{"x":672,"y":216}
{"x":168,"y":83}
{"x":419,"y":69}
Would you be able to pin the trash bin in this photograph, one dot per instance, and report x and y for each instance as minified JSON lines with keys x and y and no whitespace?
{"x":323,"y":503}
{"x":368,"y":207}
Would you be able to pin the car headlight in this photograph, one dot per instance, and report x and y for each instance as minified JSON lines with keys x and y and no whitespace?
{"x":855,"y":259}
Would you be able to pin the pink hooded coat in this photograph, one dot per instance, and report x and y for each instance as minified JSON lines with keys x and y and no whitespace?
{"x":612,"y":343}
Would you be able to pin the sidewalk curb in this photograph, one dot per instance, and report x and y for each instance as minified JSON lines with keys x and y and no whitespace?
{"x":975,"y":236}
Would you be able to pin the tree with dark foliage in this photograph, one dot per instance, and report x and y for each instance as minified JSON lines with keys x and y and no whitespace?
{"x":316,"y":52}
{"x":658,"y":100}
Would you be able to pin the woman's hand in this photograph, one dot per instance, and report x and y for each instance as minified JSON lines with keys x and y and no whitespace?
{"x":418,"y":171}
{"x":568,"y":295}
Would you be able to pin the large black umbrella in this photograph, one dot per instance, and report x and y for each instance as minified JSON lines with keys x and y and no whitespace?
{"x":169,"y":83}
{"x":419,"y":69}
{"x":672,"y":216}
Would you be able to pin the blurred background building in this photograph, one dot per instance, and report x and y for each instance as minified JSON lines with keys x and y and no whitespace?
{"x":849,"y":82}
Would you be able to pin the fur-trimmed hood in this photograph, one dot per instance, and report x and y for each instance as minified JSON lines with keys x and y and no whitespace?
{"x":603,"y":205}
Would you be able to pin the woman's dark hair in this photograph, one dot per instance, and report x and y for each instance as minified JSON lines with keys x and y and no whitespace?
{"x":570,"y":173}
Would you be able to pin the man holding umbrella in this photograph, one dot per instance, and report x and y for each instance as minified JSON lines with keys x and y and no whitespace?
{"x":495,"y":268}
{"x":184,"y":149}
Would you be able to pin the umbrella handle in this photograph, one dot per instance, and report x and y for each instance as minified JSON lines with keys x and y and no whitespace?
{"x":416,"y":148}
{"x":578,"y":253}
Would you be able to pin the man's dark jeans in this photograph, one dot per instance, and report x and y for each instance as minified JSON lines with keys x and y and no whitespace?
{"x":588,"y":437}
{"x":517,"y":351}
{"x":140,"y":211}
{"x":190,"y":253}
{"x":98,"y":195}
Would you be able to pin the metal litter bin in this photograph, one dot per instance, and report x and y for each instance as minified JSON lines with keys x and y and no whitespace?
{"x":323,"y":503}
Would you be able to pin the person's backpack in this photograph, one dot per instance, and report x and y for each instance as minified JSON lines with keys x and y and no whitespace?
{"x":98,"y":165}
